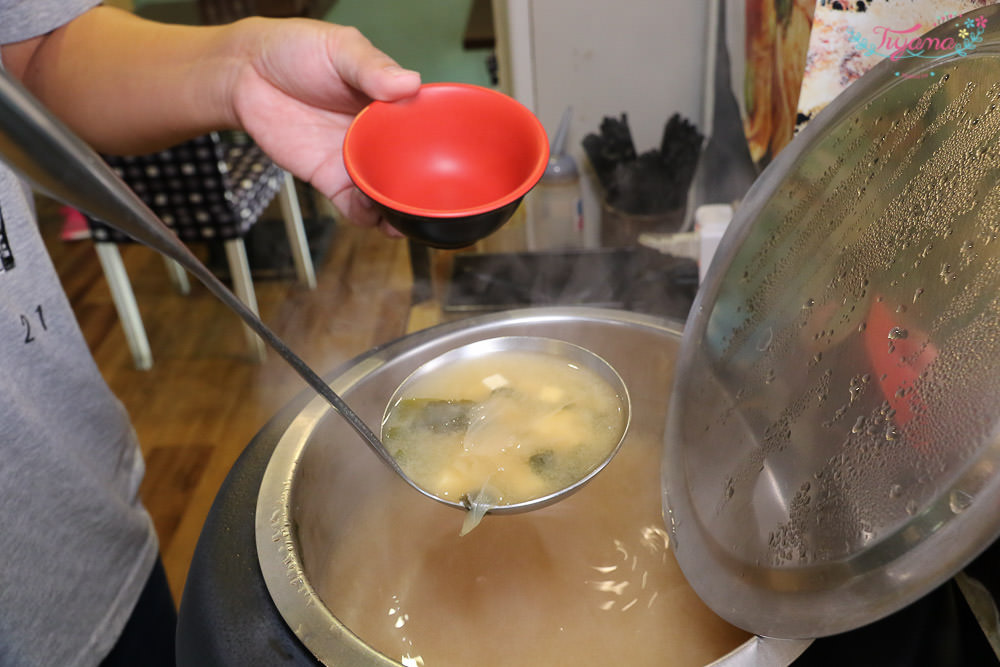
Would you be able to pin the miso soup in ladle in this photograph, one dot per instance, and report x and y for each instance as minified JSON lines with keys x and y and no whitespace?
{"x":507,"y":424}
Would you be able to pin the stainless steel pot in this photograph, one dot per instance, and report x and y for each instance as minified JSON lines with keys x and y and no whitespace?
{"x":318,"y":478}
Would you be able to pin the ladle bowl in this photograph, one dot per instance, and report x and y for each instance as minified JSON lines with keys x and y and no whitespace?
{"x":448,"y":166}
{"x":578,"y":357}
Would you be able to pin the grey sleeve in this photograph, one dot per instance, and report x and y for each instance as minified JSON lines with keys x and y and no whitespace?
{"x":23,"y":19}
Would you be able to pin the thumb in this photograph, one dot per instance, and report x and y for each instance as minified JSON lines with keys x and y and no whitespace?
{"x":369,"y":70}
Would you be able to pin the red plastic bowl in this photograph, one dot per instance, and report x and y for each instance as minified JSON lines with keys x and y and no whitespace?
{"x":448,"y":166}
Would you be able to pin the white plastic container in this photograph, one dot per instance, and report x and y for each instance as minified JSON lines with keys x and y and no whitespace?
{"x":555,"y":205}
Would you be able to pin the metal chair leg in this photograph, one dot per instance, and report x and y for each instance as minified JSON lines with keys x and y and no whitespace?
{"x":124,"y":300}
{"x":296,"y":231}
{"x":178,"y":276}
{"x":239,"y":270}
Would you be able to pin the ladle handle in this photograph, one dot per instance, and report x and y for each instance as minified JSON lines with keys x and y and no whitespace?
{"x":57,"y":162}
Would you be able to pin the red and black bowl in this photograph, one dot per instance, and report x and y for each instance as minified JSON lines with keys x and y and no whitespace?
{"x":448,"y":166}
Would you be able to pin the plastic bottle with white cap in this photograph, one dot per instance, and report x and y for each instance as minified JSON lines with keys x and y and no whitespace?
{"x":555,"y":206}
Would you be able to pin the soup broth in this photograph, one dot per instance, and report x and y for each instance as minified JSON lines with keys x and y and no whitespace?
{"x":590,"y":580}
{"x":504,"y":428}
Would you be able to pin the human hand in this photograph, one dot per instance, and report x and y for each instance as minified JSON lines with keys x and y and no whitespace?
{"x":298,"y":92}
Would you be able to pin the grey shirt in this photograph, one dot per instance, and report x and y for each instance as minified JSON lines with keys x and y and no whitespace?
{"x":76,"y":545}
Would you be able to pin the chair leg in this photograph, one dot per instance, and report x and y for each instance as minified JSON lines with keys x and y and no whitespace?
{"x":124,"y":299}
{"x":178,"y":276}
{"x":420,"y":267}
{"x":296,"y":231}
{"x":239,"y":269}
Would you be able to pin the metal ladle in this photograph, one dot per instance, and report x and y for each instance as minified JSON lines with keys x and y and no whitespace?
{"x":54,"y":160}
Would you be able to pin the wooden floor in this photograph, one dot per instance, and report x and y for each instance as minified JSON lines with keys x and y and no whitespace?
{"x":203,"y":401}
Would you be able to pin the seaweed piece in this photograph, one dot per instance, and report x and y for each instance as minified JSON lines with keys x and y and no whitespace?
{"x":436,"y":415}
{"x":541,"y":462}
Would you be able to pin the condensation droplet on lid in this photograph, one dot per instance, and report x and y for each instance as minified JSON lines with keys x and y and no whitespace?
{"x":765,"y":340}
{"x":859,"y":425}
{"x":895,"y":491}
{"x":959,"y":501}
{"x":898,"y":333}
{"x":912,"y":507}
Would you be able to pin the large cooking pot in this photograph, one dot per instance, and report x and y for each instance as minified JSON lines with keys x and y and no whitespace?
{"x":354,"y":559}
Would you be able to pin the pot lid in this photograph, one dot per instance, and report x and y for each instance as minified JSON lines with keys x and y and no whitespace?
{"x":832,"y":446}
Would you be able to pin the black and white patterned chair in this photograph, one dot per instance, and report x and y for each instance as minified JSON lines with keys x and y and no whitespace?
{"x":211,"y":188}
